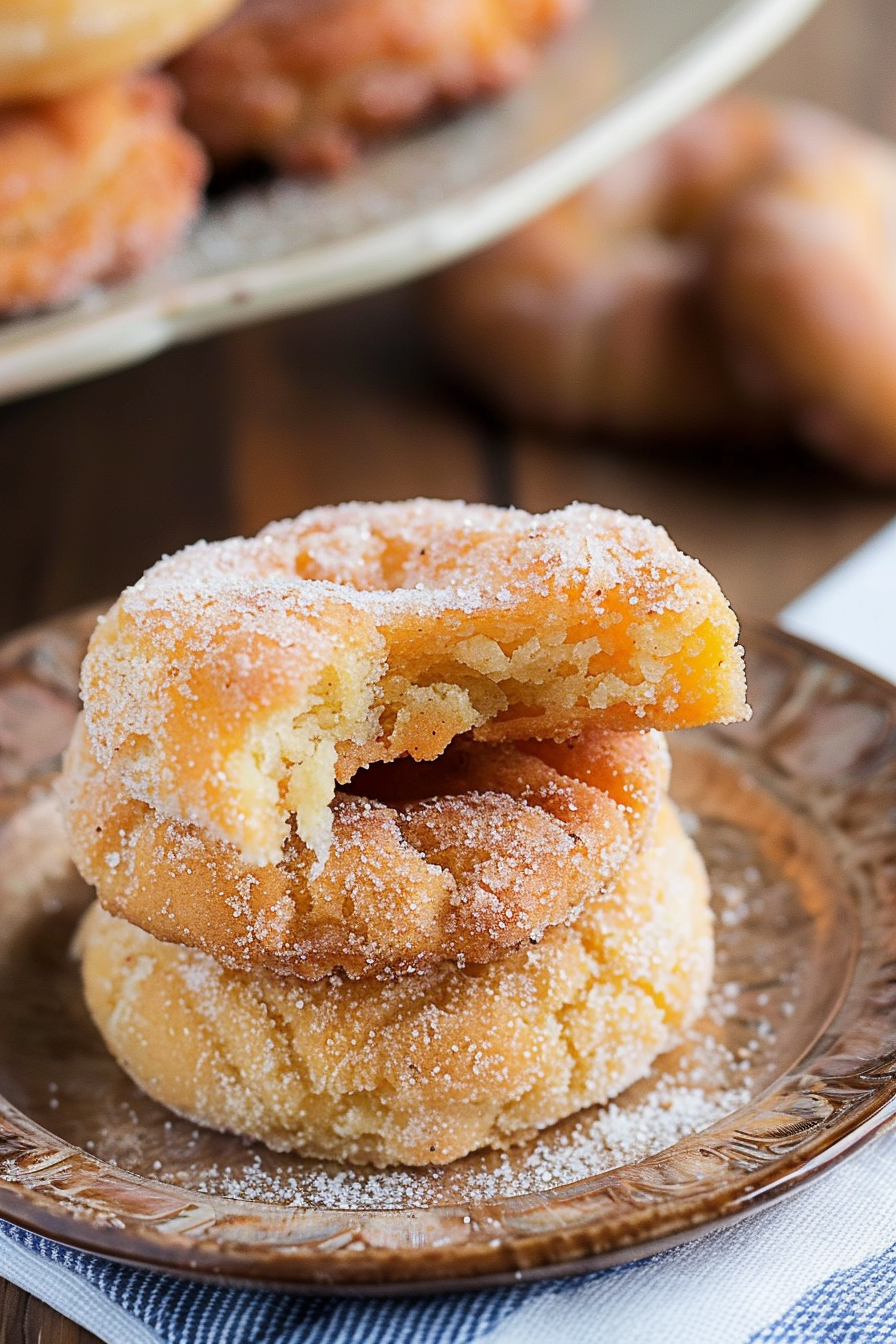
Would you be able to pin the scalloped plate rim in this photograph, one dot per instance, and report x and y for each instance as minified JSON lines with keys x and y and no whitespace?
{"x":783,"y":1177}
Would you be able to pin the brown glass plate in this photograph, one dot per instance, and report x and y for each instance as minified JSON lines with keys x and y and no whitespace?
{"x":793,"y":1066}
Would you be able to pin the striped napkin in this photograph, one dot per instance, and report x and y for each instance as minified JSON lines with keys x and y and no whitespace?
{"x":819,"y":1267}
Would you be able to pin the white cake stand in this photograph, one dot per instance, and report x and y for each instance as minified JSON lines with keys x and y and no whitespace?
{"x":630,"y":69}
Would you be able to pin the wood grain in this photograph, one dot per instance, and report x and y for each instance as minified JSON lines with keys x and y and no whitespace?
{"x":342,"y":404}
{"x":98,"y":480}
{"x":27,"y":1320}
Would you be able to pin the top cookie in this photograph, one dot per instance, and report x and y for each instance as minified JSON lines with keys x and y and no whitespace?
{"x":236,"y":683}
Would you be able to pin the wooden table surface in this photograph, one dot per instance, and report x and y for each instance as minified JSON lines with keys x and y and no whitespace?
{"x":220,"y":437}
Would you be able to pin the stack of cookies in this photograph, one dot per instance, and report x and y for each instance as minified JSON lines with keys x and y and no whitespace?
{"x":375,"y":807}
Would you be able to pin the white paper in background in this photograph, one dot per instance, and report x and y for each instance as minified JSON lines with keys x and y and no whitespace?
{"x":852,"y":610}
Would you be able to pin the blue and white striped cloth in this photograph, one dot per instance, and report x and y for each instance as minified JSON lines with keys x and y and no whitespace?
{"x":819,"y":1268}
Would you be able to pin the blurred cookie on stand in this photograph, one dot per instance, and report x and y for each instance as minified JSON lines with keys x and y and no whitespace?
{"x":802,"y":273}
{"x":94,"y":186}
{"x":736,"y":277}
{"x":97,"y":179}
{"x":53,"y":47}
{"x":305,"y":84}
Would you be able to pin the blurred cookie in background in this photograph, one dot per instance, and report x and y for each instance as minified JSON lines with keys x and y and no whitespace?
{"x":52,"y":47}
{"x":305,"y":84}
{"x":594,"y":314}
{"x":735,"y":277}
{"x":94,"y":186}
{"x":802,"y":274}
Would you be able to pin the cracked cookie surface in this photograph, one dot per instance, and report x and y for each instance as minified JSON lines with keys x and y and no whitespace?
{"x":456,"y":859}
{"x":419,"y":1068}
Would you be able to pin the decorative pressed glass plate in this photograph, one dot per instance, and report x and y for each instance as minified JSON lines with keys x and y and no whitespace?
{"x":793,"y":1066}
{"x":629,"y":69}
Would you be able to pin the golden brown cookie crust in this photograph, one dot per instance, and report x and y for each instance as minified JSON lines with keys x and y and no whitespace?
{"x":415,"y":1069}
{"x":458,"y":859}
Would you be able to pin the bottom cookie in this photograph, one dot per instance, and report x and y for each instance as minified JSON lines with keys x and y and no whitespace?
{"x":416,"y":1068}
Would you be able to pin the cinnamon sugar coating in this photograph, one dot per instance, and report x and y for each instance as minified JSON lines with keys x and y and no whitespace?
{"x":305,"y":83}
{"x":236,"y":683}
{"x":457,"y":860}
{"x":93,"y":186}
{"x":415,"y":1069}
